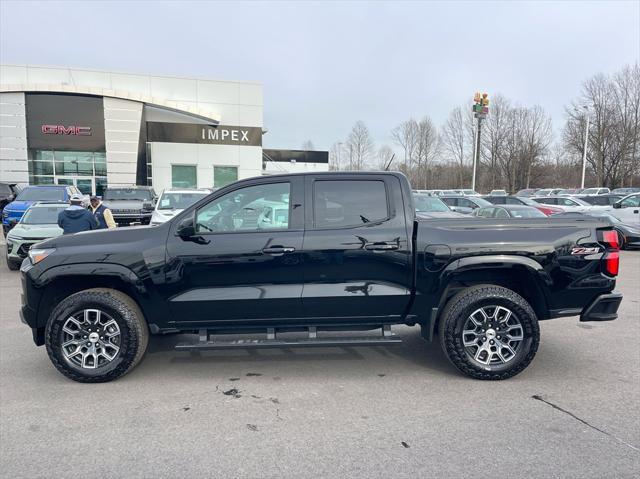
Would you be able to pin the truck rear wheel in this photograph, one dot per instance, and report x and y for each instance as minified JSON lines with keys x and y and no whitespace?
{"x":96,"y":335}
{"x":489,"y":332}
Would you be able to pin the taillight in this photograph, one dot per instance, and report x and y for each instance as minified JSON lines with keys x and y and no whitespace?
{"x":610,"y":237}
{"x":611,"y":256}
{"x":612,"y":263}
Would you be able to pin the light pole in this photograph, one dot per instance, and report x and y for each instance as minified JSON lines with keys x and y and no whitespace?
{"x":586,"y":143}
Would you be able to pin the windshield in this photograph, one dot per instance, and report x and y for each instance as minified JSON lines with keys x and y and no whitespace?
{"x":481,"y":202}
{"x":127,"y":194}
{"x":42,"y":215}
{"x":179,"y":201}
{"x":527,"y":213}
{"x":590,"y":191}
{"x":429,"y":204}
{"x":41,"y":194}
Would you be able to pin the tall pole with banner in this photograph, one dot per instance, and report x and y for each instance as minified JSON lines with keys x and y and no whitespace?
{"x":480,"y":112}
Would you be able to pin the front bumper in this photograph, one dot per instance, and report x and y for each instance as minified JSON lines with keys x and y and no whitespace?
{"x":603,"y":308}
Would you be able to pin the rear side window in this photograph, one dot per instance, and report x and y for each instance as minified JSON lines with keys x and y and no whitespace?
{"x":513,"y":201}
{"x":450,"y":201}
{"x":349,"y":203}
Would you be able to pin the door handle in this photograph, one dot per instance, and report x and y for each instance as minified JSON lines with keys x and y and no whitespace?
{"x":278,"y":250}
{"x":381,"y":246}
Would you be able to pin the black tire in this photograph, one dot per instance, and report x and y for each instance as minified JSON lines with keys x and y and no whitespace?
{"x":622,"y":241}
{"x":134,"y":334}
{"x":12,"y":265}
{"x":458,"y":310}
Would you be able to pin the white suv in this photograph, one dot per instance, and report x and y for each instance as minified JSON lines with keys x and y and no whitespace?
{"x":174,"y":201}
{"x":627,"y":209}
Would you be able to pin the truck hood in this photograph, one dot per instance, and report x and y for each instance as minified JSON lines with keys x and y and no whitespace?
{"x":18,"y":206}
{"x":36,"y":231}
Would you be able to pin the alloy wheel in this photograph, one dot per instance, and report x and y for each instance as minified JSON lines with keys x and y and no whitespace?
{"x":90,"y":339}
{"x":492,"y":335}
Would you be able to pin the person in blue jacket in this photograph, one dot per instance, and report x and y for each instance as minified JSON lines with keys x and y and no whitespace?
{"x":75,"y":218}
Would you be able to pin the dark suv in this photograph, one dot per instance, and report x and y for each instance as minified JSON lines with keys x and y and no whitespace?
{"x":130,"y":204}
{"x":8,"y":192}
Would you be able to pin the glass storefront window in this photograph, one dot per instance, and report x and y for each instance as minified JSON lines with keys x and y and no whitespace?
{"x":41,"y":168}
{"x":223,"y":175}
{"x":69,"y":167}
{"x":101,"y":184}
{"x":41,"y":180}
{"x":184,"y":176}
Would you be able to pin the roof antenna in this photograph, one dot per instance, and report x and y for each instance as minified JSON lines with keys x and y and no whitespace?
{"x":386,"y":168}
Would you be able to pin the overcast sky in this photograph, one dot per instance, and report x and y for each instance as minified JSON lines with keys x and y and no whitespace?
{"x":326,"y":65}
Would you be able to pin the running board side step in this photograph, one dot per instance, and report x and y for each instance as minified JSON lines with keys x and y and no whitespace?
{"x":312,"y":340}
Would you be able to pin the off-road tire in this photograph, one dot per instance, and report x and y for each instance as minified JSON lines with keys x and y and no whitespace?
{"x":458,"y":310}
{"x":134,"y":333}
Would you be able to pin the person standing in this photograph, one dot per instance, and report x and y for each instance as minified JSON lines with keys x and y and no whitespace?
{"x":101,"y":213}
{"x":75,"y":218}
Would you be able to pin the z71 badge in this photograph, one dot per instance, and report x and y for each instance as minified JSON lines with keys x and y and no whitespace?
{"x":584,"y":251}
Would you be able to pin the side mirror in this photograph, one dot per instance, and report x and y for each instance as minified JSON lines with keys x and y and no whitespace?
{"x":617,"y":205}
{"x":186,"y":228}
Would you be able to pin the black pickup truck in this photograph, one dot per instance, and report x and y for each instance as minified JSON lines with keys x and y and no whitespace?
{"x":311,"y":253}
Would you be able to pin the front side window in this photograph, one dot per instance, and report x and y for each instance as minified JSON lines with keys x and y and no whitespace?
{"x":631,"y":202}
{"x":500,"y":213}
{"x":349,"y":203}
{"x":253,"y":208}
{"x":184,"y":176}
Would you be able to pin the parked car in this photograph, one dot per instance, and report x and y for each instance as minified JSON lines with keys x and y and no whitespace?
{"x":470,"y":193}
{"x":544,"y":192}
{"x":595,"y":191}
{"x":33,"y":194}
{"x":527,"y":192}
{"x":352,"y":255}
{"x":433,"y":207}
{"x":569,"y":192}
{"x":564,"y":203}
{"x":627,"y":209}
{"x":8,"y":193}
{"x":498,"y":193}
{"x":450,"y":193}
{"x":174,"y":201}
{"x":39,"y":223}
{"x":601,"y":200}
{"x":509,"y":211}
{"x":522,"y":200}
{"x":464,"y":204}
{"x":625,"y":191}
{"x":130,"y":204}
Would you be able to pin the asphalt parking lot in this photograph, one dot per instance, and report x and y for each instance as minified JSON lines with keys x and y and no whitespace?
{"x":398,"y":411}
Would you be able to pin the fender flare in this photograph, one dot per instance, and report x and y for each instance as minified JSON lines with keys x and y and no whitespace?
{"x":92,"y":269}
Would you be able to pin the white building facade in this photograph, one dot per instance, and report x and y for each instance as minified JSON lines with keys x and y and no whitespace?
{"x":96,"y":128}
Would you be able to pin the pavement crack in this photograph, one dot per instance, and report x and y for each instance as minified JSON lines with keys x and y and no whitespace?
{"x":554,"y":406}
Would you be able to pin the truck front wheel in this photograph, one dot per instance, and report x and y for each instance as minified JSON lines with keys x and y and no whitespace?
{"x":489,"y":332}
{"x":96,"y":335}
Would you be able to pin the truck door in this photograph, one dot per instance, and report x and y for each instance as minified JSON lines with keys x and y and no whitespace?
{"x":240,"y":264}
{"x":357,"y":250}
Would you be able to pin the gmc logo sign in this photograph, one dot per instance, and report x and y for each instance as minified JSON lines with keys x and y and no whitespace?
{"x":66,"y":130}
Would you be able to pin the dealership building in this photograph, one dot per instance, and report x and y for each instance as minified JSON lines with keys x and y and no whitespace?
{"x":96,"y":128}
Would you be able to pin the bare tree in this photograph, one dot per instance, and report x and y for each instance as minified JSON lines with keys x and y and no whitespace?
{"x":405,"y":135}
{"x":360,"y":146}
{"x":385,"y":154}
{"x":456,"y":141}
{"x":427,"y":148}
{"x":614,"y":108}
{"x":336,"y":156}
{"x":308,"y":145}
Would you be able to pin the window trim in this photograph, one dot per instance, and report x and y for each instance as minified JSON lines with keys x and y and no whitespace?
{"x":391,"y":213}
{"x":240,"y":187}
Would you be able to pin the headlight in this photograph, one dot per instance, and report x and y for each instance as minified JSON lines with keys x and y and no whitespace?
{"x":37,"y":255}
